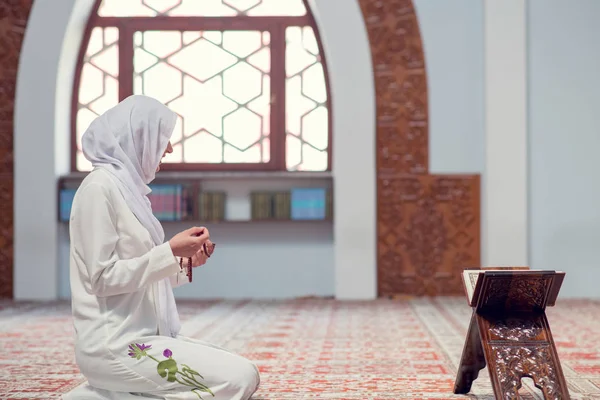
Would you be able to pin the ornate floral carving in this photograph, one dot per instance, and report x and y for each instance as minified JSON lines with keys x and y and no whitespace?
{"x":392,"y":150}
{"x":13,"y":18}
{"x":425,"y":240}
{"x":536,"y":362}
{"x":517,"y":292}
{"x":400,"y":83}
{"x":516,"y":329}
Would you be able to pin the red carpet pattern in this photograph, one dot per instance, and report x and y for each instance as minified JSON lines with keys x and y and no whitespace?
{"x":310,"y":349}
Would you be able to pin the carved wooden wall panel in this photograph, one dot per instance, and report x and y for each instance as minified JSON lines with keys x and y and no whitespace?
{"x":428,"y":226}
{"x":400,"y":85}
{"x":13,"y":18}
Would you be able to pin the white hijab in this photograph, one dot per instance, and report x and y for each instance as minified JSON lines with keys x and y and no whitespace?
{"x":128,"y":141}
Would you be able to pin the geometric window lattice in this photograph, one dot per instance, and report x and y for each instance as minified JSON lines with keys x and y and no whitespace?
{"x":218,"y":83}
{"x":99,"y":83}
{"x":201,"y":8}
{"x":307,"y":119}
{"x":245,"y":77}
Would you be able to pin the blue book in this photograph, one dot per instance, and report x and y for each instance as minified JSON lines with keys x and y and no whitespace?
{"x":308,"y":204}
{"x":66,"y":203}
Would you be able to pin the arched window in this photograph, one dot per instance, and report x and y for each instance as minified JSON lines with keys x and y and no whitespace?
{"x":246,"y":78}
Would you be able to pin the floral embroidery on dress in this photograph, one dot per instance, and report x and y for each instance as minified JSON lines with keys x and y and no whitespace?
{"x":137,"y":351}
{"x":170,"y":370}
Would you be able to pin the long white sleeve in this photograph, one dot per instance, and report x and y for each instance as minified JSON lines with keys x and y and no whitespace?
{"x":179,"y":279}
{"x":94,"y":238}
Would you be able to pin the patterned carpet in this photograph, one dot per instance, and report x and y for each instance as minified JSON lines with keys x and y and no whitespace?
{"x":310,"y":349}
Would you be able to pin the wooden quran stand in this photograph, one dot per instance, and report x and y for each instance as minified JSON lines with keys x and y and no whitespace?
{"x":509,"y":332}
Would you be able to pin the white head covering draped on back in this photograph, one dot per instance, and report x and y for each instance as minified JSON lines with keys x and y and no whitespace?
{"x":128,"y":141}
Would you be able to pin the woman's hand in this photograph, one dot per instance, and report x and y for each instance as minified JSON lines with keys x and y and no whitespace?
{"x":199,"y":259}
{"x":189,"y":242}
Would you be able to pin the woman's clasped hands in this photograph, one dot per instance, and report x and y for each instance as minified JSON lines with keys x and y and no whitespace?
{"x":193,"y":243}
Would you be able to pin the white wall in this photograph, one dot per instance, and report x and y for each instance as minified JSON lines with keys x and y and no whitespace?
{"x":452,"y":34}
{"x":564,"y":129}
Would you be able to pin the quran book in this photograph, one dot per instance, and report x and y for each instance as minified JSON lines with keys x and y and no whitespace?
{"x":471,"y":277}
{"x":308,"y":204}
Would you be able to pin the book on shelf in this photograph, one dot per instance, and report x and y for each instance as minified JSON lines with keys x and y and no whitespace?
{"x":470,"y":277}
{"x":169,"y":202}
{"x":211,"y":206}
{"x":66,"y":203}
{"x":281,"y":205}
{"x":329,"y":205}
{"x":203,"y":206}
{"x":218,"y":206}
{"x":261,"y":205}
{"x":297,"y":204}
{"x":187,"y":202}
{"x":308,"y":203}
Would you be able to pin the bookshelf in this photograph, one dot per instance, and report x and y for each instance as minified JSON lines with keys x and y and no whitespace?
{"x":229,"y":197}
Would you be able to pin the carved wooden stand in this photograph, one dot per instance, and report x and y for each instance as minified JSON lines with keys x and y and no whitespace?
{"x":509,"y":331}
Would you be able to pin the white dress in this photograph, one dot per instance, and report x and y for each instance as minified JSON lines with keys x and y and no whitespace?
{"x":114,"y":265}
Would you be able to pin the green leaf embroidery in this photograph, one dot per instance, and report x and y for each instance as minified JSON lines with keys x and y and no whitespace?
{"x":168,"y":369}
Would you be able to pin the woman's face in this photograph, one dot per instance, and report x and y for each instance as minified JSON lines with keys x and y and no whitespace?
{"x":168,"y":150}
